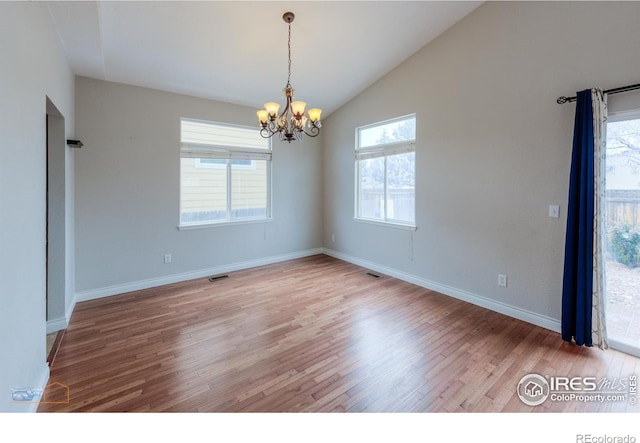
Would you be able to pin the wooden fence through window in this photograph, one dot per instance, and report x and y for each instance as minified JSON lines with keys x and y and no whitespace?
{"x":623,"y":208}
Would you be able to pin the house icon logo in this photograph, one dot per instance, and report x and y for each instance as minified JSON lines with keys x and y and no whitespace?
{"x":533,"y":389}
{"x":55,"y":393}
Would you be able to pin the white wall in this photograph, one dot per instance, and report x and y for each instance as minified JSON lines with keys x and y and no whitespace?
{"x":32,"y":68}
{"x":127,"y":194}
{"x":493,"y":149}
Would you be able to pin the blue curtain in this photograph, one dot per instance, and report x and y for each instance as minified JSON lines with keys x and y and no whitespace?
{"x":577,"y":290}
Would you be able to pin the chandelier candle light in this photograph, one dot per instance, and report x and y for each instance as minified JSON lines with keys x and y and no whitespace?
{"x":292,"y":123}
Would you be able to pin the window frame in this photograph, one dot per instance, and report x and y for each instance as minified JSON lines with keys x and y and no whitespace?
{"x":198,"y":151}
{"x":385,"y":151}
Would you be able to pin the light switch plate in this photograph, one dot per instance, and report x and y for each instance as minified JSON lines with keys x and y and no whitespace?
{"x":554,"y":211}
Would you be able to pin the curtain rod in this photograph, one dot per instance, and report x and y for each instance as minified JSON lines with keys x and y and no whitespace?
{"x":564,"y":99}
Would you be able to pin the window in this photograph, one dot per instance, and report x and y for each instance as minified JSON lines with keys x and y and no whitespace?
{"x":225,"y":173}
{"x":385,"y":171}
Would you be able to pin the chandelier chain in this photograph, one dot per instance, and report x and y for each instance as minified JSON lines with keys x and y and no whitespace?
{"x":289,"y":47}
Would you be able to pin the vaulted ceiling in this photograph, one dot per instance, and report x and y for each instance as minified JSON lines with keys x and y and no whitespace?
{"x":236,"y":51}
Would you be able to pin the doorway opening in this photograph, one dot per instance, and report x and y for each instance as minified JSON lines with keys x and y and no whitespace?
{"x":56,"y":218}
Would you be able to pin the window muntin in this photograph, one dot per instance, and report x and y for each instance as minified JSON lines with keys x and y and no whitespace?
{"x":225,"y":174}
{"x":385,"y":171}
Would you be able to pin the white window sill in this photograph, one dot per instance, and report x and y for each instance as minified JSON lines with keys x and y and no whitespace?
{"x":387,"y":224}
{"x":224,"y":223}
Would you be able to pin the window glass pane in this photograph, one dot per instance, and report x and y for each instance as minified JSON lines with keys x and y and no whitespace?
{"x":371,"y":188}
{"x":248,"y":190}
{"x":203,"y":193}
{"x":390,"y":132}
{"x":401,"y":187}
{"x":623,"y":155}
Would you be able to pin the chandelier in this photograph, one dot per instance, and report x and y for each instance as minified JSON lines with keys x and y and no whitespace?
{"x":292,"y":124}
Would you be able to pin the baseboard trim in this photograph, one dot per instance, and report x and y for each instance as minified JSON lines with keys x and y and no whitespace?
{"x":493,"y":305}
{"x":176,"y":278}
{"x":57,"y":324}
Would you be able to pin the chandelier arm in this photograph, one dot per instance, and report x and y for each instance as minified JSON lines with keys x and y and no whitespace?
{"x":286,"y":111}
{"x":313,"y":131}
{"x":266,"y":132}
{"x":264,"y":135}
{"x":269,"y":130}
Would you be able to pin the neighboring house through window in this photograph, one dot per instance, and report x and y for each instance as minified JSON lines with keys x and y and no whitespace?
{"x":385,"y":171}
{"x":225,"y":173}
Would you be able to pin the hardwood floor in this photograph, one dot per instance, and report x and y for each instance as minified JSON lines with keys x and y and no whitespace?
{"x":314,"y":334}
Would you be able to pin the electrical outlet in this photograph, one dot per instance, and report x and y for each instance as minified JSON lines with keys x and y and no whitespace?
{"x":502,"y":280}
{"x":333,"y":237}
{"x":167,"y":259}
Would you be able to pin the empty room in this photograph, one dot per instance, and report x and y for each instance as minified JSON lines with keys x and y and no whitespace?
{"x":331,"y":207}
